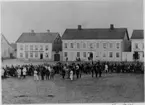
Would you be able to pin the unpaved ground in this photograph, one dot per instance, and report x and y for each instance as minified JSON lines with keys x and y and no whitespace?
{"x":109,"y":88}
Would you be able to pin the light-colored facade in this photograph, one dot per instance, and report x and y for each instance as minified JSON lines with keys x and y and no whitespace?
{"x":34,"y":51}
{"x":138,"y":46}
{"x":6,"y":49}
{"x":104,"y":50}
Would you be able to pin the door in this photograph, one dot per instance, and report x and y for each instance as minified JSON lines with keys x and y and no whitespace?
{"x":41,"y":56}
{"x":56,"y":57}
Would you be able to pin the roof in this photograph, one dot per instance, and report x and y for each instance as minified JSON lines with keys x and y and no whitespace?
{"x":14,"y":46}
{"x":30,"y":37}
{"x":102,"y":33}
{"x":137,"y":34}
{"x":5,"y":39}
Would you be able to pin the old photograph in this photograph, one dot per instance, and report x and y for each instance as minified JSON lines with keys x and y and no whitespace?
{"x":72,"y":52}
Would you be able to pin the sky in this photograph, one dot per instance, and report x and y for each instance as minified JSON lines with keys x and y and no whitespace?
{"x":23,"y":16}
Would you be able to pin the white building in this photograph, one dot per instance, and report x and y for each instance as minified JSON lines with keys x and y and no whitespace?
{"x":137,"y":43}
{"x":46,"y":46}
{"x":105,"y":44}
{"x":6,"y":49}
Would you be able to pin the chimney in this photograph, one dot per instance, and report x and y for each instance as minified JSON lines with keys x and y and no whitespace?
{"x":79,"y":27}
{"x":111,"y":26}
{"x":48,"y":31}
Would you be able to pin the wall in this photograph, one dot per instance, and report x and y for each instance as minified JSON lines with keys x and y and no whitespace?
{"x":127,"y":56}
{"x":73,"y":51}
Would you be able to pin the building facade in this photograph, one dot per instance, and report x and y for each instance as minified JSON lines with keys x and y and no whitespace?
{"x":6,"y":49}
{"x":101,"y":44}
{"x":39,"y":46}
{"x":137,"y":43}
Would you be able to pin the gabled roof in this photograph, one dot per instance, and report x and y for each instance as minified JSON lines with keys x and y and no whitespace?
{"x":137,"y":34}
{"x":30,"y":37}
{"x":102,"y":33}
{"x":2,"y":36}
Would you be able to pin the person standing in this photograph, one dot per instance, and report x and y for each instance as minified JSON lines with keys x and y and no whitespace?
{"x":36,"y":75}
{"x":24,"y":72}
{"x":106,"y":68}
{"x":71,"y":75}
{"x":77,"y":71}
{"x":63,"y":71}
{"x":19,"y":73}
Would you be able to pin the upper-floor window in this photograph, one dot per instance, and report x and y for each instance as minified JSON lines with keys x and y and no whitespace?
{"x":26,"y":47}
{"x":117,"y":45}
{"x":110,"y":54}
{"x":65,"y":45}
{"x":91,"y":45}
{"x":97,"y":45}
{"x":36,"y":47}
{"x":78,"y":45}
{"x":21,"y":55}
{"x":84,"y":45}
{"x":104,"y":45}
{"x":46,"y":47}
{"x":136,"y":45}
{"x":41,"y":47}
{"x":71,"y":45}
{"x":31,"y":47}
{"x":21,"y":47}
{"x":31,"y":54}
{"x":111,"y":45}
{"x":78,"y":54}
{"x":117,"y":54}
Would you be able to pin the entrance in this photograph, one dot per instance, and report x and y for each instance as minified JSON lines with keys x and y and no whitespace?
{"x":90,"y":57}
{"x":41,"y":56}
{"x":56,"y":57}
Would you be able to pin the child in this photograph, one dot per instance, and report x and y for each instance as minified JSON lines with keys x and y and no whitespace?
{"x":71,"y":74}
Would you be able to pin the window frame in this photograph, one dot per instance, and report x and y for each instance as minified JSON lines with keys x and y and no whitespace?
{"x":21,"y":55}
{"x":84,"y":53}
{"x":46,"y":47}
{"x":21,"y":47}
{"x":79,"y":54}
{"x":110,"y":53}
{"x":65,"y":54}
{"x":31,"y":47}
{"x":117,"y":45}
{"x":118,"y":54}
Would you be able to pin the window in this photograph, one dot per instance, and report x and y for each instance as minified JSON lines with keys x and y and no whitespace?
{"x":104,"y":54}
{"x":117,"y":54}
{"x":41,"y":47}
{"x":36,"y":54}
{"x":36,"y":47}
{"x":78,"y":45}
{"x":78,"y":54}
{"x":46,"y":47}
{"x":104,"y":45}
{"x":26,"y":47}
{"x":21,"y":55}
{"x":117,"y":45}
{"x":31,"y":47}
{"x":65,"y":54}
{"x":31,"y":54}
{"x":84,"y":54}
{"x":84,"y":45}
{"x":111,"y":45}
{"x":21,"y":47}
{"x":91,"y":45}
{"x":97,"y":54}
{"x":46,"y":55}
{"x":71,"y":45}
{"x":136,"y":45}
{"x":110,"y":54}
{"x":97,"y":45}
{"x":65,"y":45}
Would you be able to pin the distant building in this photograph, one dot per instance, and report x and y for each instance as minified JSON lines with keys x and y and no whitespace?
{"x":137,"y":43}
{"x":6,"y":49}
{"x":45,"y":46}
{"x":105,"y":44}
{"x":14,"y":46}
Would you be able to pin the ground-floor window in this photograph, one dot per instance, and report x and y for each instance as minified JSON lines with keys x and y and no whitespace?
{"x":78,"y":54}
{"x":117,"y":54}
{"x":21,"y":55}
{"x":110,"y":54}
{"x":36,"y":54}
{"x":84,"y":54}
{"x":31,"y":54}
{"x":65,"y":54}
{"x":46,"y":55}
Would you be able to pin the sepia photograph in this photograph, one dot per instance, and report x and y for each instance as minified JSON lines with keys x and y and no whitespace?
{"x":72,"y":52}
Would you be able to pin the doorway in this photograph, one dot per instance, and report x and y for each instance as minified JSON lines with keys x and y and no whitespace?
{"x":56,"y":57}
{"x":41,"y":56}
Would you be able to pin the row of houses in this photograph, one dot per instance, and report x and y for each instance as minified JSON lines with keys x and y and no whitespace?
{"x":104,"y":44}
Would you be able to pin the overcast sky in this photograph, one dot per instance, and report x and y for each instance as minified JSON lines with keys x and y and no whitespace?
{"x":18,"y":17}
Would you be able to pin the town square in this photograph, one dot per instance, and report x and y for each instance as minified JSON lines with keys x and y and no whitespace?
{"x":72,"y":52}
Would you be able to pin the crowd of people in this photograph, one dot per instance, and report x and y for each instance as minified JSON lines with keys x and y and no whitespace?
{"x":71,"y":70}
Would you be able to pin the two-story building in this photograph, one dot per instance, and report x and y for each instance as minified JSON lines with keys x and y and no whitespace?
{"x":137,"y":43}
{"x":46,"y":46}
{"x":104,"y":44}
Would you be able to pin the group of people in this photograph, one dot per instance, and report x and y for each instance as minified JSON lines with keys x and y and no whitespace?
{"x":71,"y":70}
